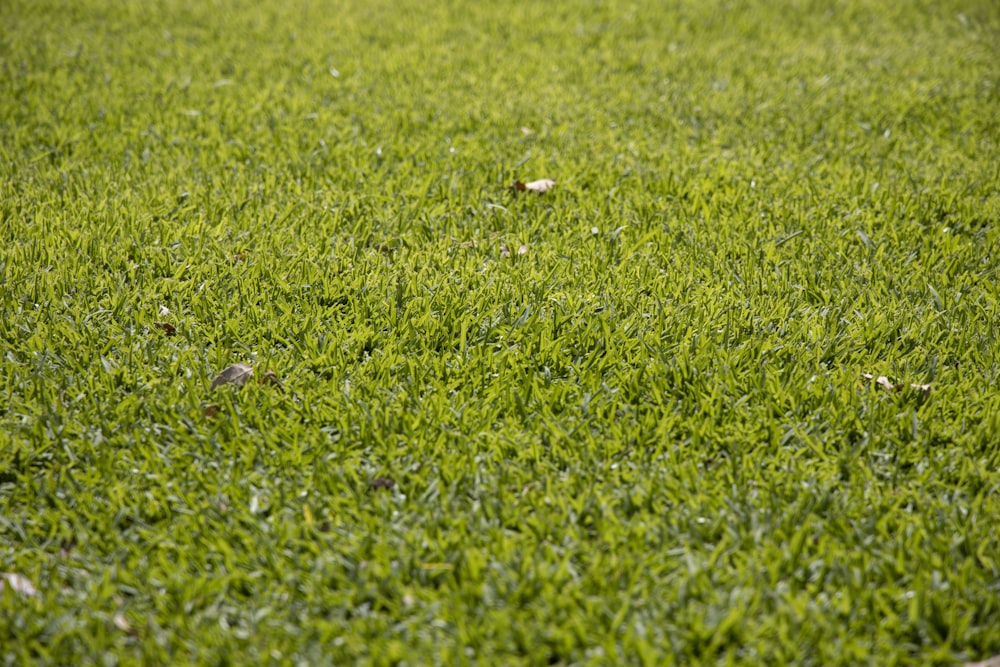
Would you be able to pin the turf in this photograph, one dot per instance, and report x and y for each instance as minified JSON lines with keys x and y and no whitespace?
{"x":623,"y":422}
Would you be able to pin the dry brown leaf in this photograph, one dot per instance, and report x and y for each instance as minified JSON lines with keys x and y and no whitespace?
{"x":504,"y":251}
{"x":887,"y":384}
{"x":122,"y":624}
{"x":166,"y":327}
{"x":540,"y":186}
{"x":381,"y":483}
{"x":271,"y":378}
{"x":881,"y":381}
{"x":66,"y":546}
{"x":237,"y":374}
{"x":211,"y":410}
{"x":18,"y":583}
{"x":989,"y":662}
{"x":884,"y":382}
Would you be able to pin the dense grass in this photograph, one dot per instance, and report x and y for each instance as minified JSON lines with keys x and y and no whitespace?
{"x":645,"y":439}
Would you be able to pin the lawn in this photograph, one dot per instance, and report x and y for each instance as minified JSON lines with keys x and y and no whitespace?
{"x":292,"y":375}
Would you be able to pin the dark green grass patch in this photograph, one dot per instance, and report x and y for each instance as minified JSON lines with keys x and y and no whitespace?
{"x":635,"y":420}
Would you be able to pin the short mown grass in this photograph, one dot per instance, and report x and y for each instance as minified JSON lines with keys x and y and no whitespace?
{"x":623,"y":422}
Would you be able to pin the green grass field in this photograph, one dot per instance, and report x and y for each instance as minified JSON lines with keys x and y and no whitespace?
{"x":626,"y":421}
